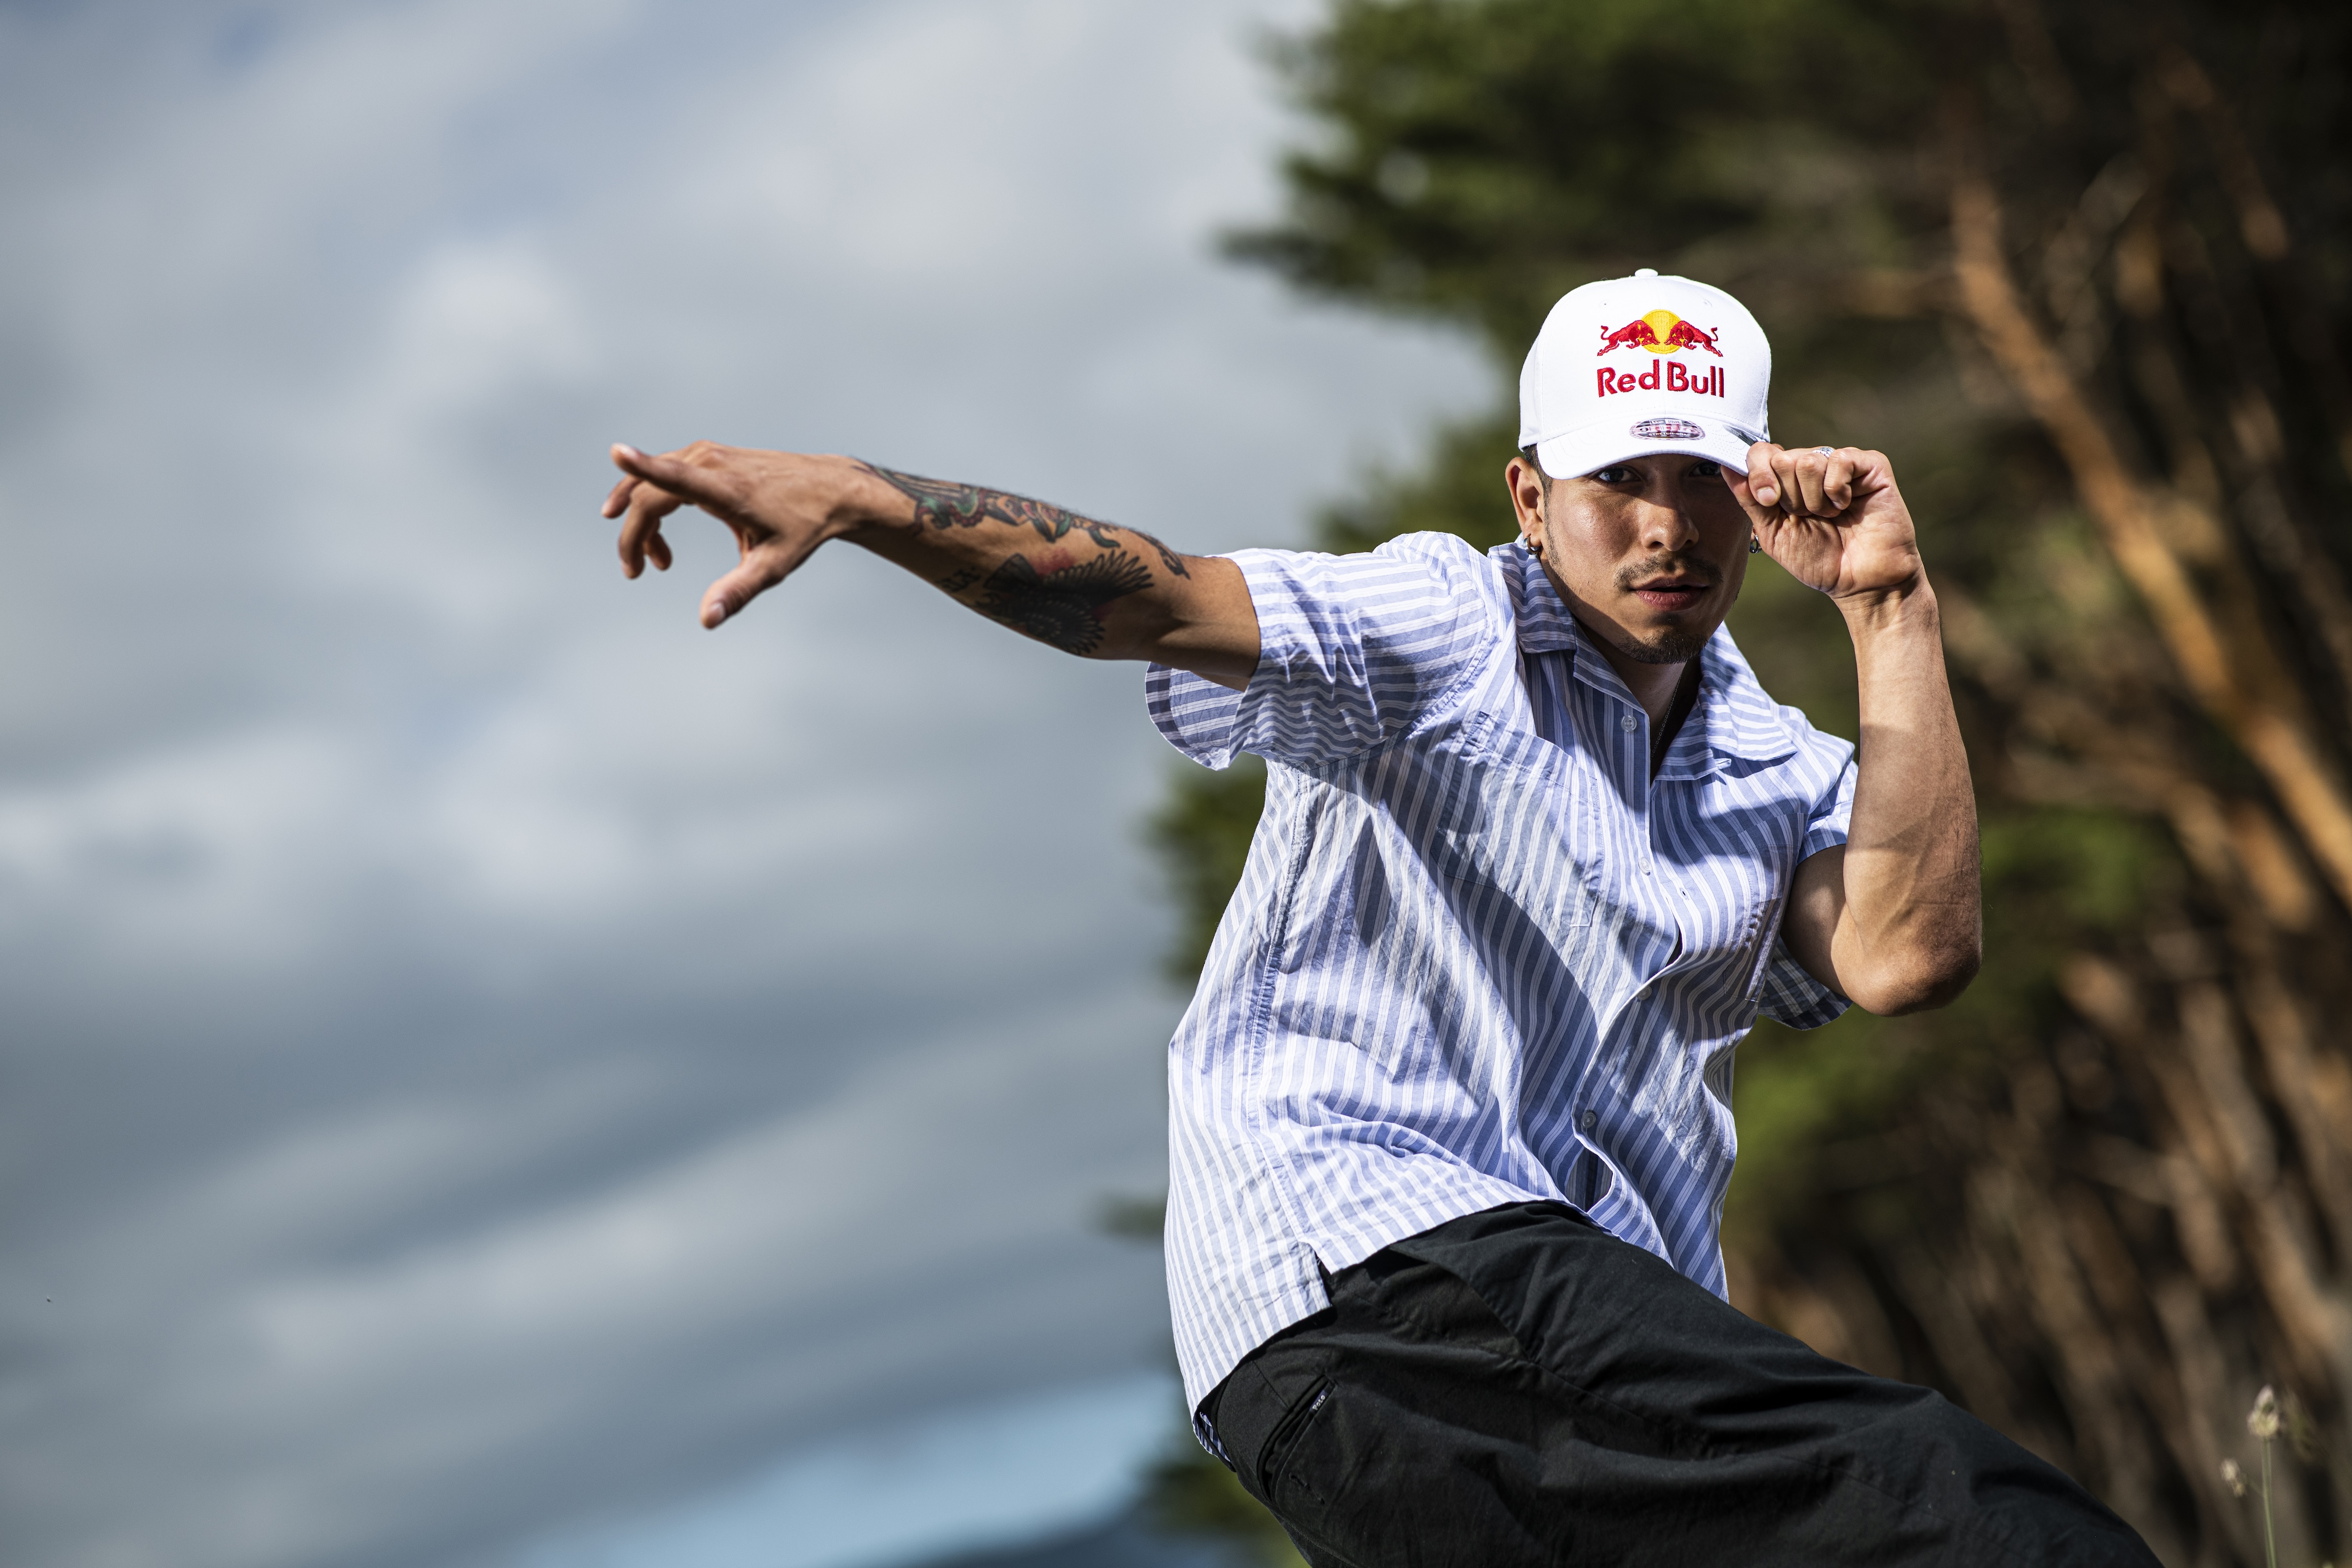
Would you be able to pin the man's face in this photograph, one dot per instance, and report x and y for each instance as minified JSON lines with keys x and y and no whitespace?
{"x":1649,"y":553}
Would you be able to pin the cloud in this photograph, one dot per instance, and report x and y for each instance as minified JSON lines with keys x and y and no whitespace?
{"x":483,"y":1051}
{"x":958,"y":1480}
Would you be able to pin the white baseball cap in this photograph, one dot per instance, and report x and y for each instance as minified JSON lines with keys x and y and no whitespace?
{"x":1636,"y":365}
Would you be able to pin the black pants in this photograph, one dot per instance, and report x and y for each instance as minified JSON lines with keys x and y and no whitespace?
{"x":1519,"y":1386}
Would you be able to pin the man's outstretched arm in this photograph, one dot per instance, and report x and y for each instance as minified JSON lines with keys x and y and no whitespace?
{"x":1070,"y":581}
{"x":1891,"y":919}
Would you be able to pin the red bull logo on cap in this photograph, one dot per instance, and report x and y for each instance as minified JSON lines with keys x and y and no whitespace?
{"x":1662,"y":333}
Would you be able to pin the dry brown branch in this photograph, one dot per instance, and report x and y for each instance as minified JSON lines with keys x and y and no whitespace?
{"x":2090,"y":1381}
{"x":1927,"y":1291}
{"x":2209,"y":1408}
{"x":2260,"y":222}
{"x":2234,"y":673}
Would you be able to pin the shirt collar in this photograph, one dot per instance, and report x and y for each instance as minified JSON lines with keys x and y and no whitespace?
{"x":1733,"y":716}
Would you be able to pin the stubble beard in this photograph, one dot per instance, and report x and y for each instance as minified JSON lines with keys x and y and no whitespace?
{"x":1670,"y":646}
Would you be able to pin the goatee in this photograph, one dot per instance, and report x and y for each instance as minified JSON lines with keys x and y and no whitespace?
{"x":1671,"y":647}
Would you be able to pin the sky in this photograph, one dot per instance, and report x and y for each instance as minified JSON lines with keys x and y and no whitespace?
{"x":490,"y":1066}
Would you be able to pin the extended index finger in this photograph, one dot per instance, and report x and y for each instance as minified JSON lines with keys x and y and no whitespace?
{"x":702,"y":475}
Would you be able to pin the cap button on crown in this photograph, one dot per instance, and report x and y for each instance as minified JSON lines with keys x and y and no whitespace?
{"x":1645,"y":272}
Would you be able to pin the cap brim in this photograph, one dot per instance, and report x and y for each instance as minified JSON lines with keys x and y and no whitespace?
{"x":1623,"y":438}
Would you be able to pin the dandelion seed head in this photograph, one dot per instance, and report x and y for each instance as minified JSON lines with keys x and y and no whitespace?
{"x":2232,"y":1478}
{"x":2262,"y":1420}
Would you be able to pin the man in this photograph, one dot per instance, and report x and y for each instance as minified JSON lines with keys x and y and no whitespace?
{"x":1450,"y":1120}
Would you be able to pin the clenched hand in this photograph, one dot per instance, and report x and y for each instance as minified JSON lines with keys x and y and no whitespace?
{"x":1833,"y":519}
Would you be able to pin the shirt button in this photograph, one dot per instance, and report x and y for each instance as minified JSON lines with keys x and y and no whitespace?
{"x":1627,"y":723}
{"x":1590,"y":1118}
{"x":1645,"y":991}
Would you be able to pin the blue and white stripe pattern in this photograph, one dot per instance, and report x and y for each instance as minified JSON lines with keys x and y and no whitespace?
{"x":1477,"y":954}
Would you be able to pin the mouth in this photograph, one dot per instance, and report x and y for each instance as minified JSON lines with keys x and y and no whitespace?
{"x":1672,"y":594}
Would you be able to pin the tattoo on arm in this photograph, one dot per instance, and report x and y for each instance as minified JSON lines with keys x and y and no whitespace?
{"x":943,"y":503}
{"x":1061,"y":607}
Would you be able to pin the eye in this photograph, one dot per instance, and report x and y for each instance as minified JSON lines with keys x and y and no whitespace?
{"x":1619,"y":474}
{"x":1704,"y":469}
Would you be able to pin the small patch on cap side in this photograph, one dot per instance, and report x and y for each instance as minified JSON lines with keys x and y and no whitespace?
{"x":1667,"y":430}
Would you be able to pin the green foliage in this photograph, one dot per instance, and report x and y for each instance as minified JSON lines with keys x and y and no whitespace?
{"x":1189,"y":1493}
{"x":1459,"y":489}
{"x":2079,"y":874}
{"x":1483,"y":159}
{"x":1796,"y":1092}
{"x":1137,"y":1219}
{"x":1202,"y":835}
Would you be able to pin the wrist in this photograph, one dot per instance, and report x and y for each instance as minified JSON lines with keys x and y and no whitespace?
{"x":865,"y":504}
{"x":1909,"y":607}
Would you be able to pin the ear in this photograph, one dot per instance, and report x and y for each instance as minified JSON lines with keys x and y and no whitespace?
{"x":1530,"y":491}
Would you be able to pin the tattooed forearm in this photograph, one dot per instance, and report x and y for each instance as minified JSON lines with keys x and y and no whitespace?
{"x":1168,"y":558}
{"x":943,"y":503}
{"x":1061,"y":607}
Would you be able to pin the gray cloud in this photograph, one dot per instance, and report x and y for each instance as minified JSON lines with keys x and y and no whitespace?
{"x":482,"y":1051}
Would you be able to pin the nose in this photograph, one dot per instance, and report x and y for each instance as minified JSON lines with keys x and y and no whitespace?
{"x":1667,"y":523}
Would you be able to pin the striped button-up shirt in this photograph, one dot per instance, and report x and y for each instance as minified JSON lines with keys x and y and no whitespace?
{"x":1478,"y":955}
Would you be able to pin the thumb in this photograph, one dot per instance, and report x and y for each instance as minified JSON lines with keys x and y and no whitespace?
{"x":759,"y":570}
{"x":1744,"y":492}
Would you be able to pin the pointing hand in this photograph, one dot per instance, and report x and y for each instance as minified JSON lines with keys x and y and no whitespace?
{"x":780,"y":505}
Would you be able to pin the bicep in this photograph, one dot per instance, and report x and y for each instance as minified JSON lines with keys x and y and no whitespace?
{"x":1816,"y":904}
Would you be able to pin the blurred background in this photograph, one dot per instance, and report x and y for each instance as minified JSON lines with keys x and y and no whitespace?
{"x":497,"y":1075}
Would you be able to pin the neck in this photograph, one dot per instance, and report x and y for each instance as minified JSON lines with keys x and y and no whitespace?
{"x":1653,"y":686}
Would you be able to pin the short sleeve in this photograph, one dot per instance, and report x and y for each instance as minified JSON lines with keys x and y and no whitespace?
{"x":1790,"y":995}
{"x":1353,"y":651}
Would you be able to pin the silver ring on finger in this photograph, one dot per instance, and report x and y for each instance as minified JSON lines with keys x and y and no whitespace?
{"x":1826,"y":451}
